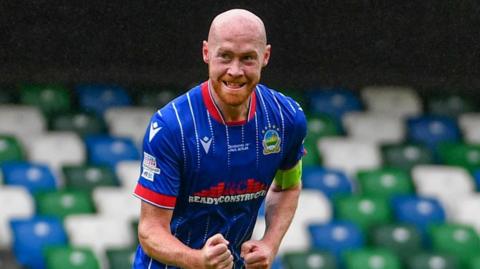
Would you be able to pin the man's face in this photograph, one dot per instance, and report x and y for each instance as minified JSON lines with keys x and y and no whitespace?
{"x":235,"y":58}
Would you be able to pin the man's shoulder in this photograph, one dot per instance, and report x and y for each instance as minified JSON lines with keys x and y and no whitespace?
{"x":278,"y":99}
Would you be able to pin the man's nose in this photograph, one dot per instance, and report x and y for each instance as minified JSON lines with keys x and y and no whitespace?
{"x":235,"y":69}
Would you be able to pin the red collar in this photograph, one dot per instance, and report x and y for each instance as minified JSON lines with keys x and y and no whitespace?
{"x":215,"y":112}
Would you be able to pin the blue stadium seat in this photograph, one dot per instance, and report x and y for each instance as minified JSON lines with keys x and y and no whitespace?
{"x":432,"y":130}
{"x":31,"y":236}
{"x":334,"y":102}
{"x":419,"y":211}
{"x":108,"y":150}
{"x":336,"y":237}
{"x":330,"y":181}
{"x":98,"y":97}
{"x":32,"y":176}
{"x":476,"y":177}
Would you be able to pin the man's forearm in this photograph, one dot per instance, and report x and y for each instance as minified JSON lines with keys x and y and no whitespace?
{"x":281,"y":205}
{"x":164,"y":247}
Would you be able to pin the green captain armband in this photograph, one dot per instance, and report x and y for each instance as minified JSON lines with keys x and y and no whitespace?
{"x":289,"y":178}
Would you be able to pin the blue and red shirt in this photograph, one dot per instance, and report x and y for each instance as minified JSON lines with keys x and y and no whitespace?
{"x":213,"y":174}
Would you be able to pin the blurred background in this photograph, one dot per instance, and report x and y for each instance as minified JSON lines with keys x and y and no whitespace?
{"x":390,"y":90}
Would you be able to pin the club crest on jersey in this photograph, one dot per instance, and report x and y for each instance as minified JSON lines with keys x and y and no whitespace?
{"x":271,"y":141}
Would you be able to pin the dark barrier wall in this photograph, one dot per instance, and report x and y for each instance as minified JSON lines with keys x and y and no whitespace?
{"x":349,"y":43}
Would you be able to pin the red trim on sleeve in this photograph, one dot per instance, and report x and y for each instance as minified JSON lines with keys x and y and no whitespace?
{"x":155,"y":198}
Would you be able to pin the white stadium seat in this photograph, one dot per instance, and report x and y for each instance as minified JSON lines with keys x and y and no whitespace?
{"x":15,"y":202}
{"x":396,"y":100}
{"x":129,"y":122}
{"x":374,"y":126}
{"x":24,"y":122}
{"x":116,"y":203}
{"x":128,"y":173}
{"x":470,"y":125}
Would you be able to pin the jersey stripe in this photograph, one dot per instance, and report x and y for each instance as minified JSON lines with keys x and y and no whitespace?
{"x":264,"y":107}
{"x":183,"y":137}
{"x":283,"y":122}
{"x":154,"y":198}
{"x":195,"y":129}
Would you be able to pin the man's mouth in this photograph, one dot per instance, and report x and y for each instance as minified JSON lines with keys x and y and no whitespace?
{"x":233,"y":85}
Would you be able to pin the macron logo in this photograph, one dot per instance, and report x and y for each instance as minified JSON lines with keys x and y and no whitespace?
{"x":206,"y":142}
{"x":154,"y":128}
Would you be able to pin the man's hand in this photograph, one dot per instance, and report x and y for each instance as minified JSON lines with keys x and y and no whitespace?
{"x":257,"y":255}
{"x":215,"y":253}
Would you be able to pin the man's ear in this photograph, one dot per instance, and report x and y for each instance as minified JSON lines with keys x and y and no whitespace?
{"x":266,"y":55}
{"x":205,"y":51}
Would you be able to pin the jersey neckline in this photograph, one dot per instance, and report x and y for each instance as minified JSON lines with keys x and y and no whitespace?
{"x":215,"y":112}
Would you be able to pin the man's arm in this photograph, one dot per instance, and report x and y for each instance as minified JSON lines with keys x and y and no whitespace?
{"x":280,"y":206}
{"x":158,"y":242}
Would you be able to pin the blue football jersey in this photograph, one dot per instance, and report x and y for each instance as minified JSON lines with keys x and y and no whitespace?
{"x":213,"y":174}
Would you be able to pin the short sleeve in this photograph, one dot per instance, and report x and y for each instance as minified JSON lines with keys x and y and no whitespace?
{"x":159,"y":179}
{"x":296,"y":150}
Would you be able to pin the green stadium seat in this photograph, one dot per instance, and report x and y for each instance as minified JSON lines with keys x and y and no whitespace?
{"x":10,"y":149}
{"x":371,"y":258}
{"x":134,"y":228}
{"x":451,"y":104}
{"x":71,"y":258}
{"x":83,"y":123}
{"x":49,"y":99}
{"x":460,"y":154}
{"x":384,"y":182}
{"x":121,"y":258}
{"x":88,"y":177}
{"x":474,"y":262}
{"x":154,"y":97}
{"x":318,"y":127}
{"x":63,"y":203}
{"x":402,"y":239}
{"x":405,"y":156}
{"x":8,"y":95}
{"x":365,"y":211}
{"x":297,"y":95}
{"x":309,"y":259}
{"x":432,"y":261}
{"x":459,"y":240}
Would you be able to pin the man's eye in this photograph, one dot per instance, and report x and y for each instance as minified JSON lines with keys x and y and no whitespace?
{"x":225,"y":56}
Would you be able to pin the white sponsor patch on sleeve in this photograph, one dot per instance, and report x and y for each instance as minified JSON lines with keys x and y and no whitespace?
{"x":148,"y":175}
{"x":150,"y":164}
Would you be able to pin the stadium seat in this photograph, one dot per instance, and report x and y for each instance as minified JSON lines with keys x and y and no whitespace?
{"x":456,"y":239}
{"x":23,"y":122}
{"x":121,"y":258}
{"x":384,"y":182}
{"x":82,"y":123}
{"x":451,"y":104}
{"x":318,"y":126}
{"x":310,"y":259}
{"x":71,"y":257}
{"x":467,"y":209}
{"x":371,"y":258}
{"x":88,"y":177}
{"x":109,"y":150}
{"x":392,"y":100}
{"x":470,"y":126}
{"x":446,"y":183}
{"x":460,"y":154}
{"x":433,"y":260}
{"x":365,"y":211}
{"x":116,"y":203}
{"x":374,"y":127}
{"x":46,"y":149}
{"x":334,"y":102}
{"x":474,"y":263}
{"x":405,"y":155}
{"x":8,"y":95}
{"x":50,"y":99}
{"x":313,"y":207}
{"x":329,"y":181}
{"x":62,"y":203}
{"x":128,"y":173}
{"x":15,"y":202}
{"x":33,"y":177}
{"x":32,"y":236}
{"x":131,"y":122}
{"x":98,"y":233}
{"x":10,"y":149}
{"x":402,"y":239}
{"x":432,"y":130}
{"x":98,"y":98}
{"x":419,"y":211}
{"x":349,"y":155}
{"x":336,"y":237}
